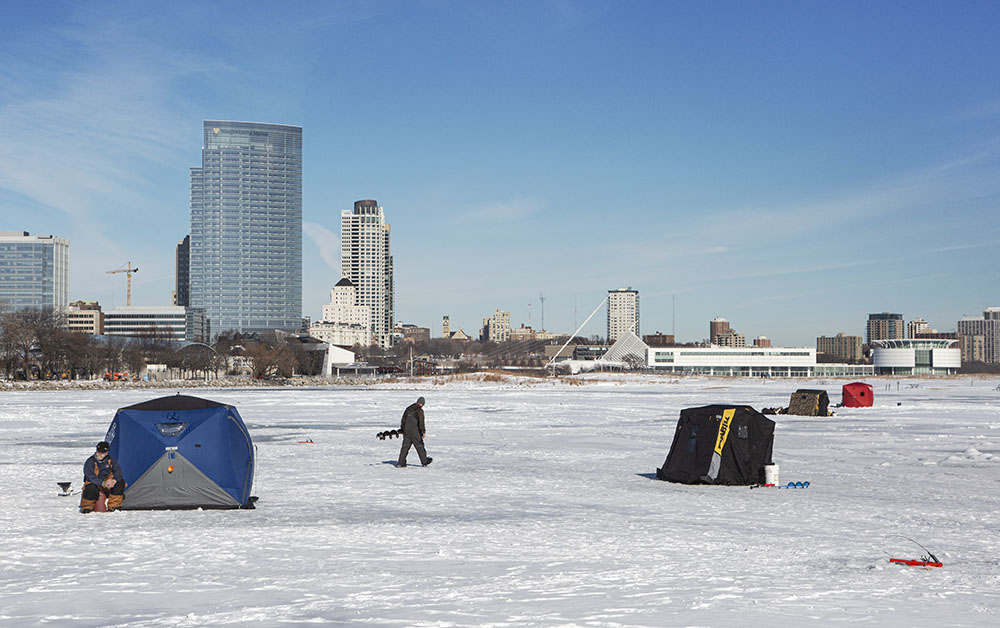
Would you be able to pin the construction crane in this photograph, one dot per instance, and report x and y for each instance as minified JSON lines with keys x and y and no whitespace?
{"x":128,"y":270}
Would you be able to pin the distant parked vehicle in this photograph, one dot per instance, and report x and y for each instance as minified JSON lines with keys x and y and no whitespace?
{"x":116,"y":377}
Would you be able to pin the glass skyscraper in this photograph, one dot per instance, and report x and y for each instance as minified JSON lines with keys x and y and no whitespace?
{"x":246,"y":227}
{"x":34,"y":271}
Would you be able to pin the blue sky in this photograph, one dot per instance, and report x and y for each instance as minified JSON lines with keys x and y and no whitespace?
{"x":789,"y":166}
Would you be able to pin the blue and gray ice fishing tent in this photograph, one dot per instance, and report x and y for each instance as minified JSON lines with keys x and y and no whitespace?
{"x":183,"y":452}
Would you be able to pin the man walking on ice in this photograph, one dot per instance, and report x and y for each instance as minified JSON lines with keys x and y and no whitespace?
{"x":412,"y":426}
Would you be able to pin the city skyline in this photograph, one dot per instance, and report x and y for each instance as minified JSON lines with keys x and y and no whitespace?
{"x":789,"y":168}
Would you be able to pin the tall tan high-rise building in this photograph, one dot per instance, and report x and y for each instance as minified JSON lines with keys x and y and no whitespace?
{"x":623,"y":313}
{"x":989,"y":328}
{"x":885,"y":326}
{"x":366,"y":260}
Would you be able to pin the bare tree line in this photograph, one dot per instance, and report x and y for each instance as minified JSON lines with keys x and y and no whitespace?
{"x":36,"y":344}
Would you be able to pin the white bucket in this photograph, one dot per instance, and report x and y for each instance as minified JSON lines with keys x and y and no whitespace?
{"x":770,"y":474}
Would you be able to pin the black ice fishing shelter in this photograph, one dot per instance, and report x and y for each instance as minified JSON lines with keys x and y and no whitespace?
{"x":719,"y":444}
{"x":807,"y":402}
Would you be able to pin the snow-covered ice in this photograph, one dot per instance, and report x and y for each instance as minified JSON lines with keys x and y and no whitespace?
{"x":540,"y":508}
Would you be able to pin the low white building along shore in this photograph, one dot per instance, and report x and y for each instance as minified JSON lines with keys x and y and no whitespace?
{"x":629,"y":352}
{"x":749,"y":362}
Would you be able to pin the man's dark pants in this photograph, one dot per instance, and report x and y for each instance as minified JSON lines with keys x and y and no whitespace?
{"x":411,"y":437}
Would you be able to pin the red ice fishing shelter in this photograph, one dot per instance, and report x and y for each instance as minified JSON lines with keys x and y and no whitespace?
{"x":858,"y":395}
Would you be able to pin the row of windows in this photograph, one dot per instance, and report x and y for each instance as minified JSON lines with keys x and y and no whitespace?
{"x":155,"y":317}
{"x":731,"y":354}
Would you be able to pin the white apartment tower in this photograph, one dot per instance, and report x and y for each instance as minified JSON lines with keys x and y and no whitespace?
{"x":366,"y":261}
{"x":623,"y":313}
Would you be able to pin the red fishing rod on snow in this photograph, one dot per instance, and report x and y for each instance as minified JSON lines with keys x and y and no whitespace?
{"x":927,"y":560}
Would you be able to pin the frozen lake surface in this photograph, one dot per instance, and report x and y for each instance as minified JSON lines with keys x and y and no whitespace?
{"x":540,"y":508}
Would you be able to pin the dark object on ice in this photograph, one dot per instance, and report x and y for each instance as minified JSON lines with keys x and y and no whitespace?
{"x":182,"y":452}
{"x":857,"y":395}
{"x":807,"y":402}
{"x":389,"y":434}
{"x":789,"y":485}
{"x":774,"y":410}
{"x":64,"y":488}
{"x":719,"y":445}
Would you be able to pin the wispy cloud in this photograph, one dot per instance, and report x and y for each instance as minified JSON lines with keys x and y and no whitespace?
{"x":80,"y":129}
{"x":328,"y":243}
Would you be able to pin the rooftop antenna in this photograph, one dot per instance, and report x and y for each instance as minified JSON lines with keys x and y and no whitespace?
{"x":541,"y":299}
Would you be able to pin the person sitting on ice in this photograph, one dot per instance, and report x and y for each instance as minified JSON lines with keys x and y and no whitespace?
{"x":102,"y":474}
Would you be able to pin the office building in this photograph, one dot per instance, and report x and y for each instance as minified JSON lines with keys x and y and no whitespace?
{"x":34,"y":271}
{"x":885,"y":326}
{"x":366,"y":260}
{"x":623,"y":313}
{"x":182,"y":273}
{"x":762,"y":341}
{"x":85,"y":317}
{"x":841,"y":346}
{"x":246,"y":227}
{"x":171,"y":322}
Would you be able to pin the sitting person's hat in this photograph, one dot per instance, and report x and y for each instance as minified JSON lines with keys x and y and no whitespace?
{"x":103,"y":446}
